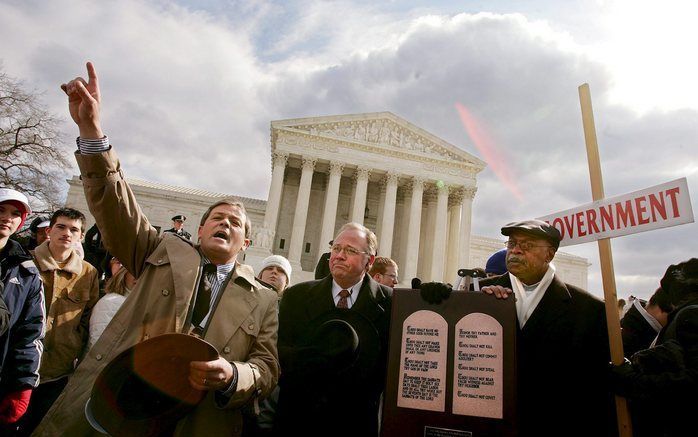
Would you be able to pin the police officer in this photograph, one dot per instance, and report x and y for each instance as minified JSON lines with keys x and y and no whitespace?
{"x":178,"y":226}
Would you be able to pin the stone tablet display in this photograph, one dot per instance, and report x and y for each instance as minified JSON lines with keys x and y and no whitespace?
{"x":478,"y":382}
{"x":423,"y":377}
{"x":451,"y":367}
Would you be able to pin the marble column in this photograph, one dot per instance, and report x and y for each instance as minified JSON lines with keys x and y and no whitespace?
{"x":465,"y":226}
{"x":298,"y":233}
{"x":406,"y":192}
{"x":426,"y":232}
{"x":455,"y":202}
{"x":330,"y":213}
{"x":381,"y":207}
{"x":277,"y":183}
{"x":385,"y":243}
{"x":412,"y":248}
{"x":438,"y":253}
{"x":358,"y":208}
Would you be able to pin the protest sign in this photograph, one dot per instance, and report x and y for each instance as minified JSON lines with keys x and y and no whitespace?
{"x":661,"y":206}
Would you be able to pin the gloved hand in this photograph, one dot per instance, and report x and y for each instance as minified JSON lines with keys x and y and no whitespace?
{"x":667,"y":357}
{"x":620,"y":377}
{"x":434,"y":292}
{"x":14,"y":405}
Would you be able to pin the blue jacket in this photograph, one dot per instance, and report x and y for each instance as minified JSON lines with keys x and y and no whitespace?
{"x":21,"y":345}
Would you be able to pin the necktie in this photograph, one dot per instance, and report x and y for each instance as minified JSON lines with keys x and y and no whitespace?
{"x":203,"y":297}
{"x":343,"y":302}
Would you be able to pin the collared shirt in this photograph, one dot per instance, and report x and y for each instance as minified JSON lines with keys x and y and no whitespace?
{"x":354,"y":289}
{"x":216,"y":281}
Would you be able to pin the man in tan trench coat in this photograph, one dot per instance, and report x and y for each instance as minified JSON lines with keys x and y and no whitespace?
{"x":239,"y":319}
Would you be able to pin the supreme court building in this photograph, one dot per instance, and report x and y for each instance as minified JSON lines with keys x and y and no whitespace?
{"x":413,"y":189}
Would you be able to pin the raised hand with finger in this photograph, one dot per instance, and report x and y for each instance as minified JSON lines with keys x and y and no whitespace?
{"x":84,"y":103}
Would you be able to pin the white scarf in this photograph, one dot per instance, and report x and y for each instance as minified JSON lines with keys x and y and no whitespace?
{"x":647,"y":316}
{"x":527,"y":303}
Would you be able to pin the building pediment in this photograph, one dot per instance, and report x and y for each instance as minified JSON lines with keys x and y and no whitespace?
{"x":380,"y":129}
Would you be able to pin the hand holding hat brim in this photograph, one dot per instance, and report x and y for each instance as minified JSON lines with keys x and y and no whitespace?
{"x":145,"y":389}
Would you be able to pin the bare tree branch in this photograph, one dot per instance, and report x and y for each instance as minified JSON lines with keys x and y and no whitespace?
{"x":32,"y":154}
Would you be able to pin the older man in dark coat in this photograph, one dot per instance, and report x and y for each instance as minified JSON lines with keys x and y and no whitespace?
{"x":321,"y":393}
{"x":562,"y":343}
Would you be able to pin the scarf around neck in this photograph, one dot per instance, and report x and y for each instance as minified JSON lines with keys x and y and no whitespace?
{"x":527,"y":303}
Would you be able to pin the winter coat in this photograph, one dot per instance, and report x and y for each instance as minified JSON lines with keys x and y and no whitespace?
{"x":662,"y":383}
{"x":20,"y":346}
{"x":243,"y":326}
{"x":73,"y":290}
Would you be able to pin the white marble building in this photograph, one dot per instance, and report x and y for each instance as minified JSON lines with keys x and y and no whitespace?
{"x":412,"y":188}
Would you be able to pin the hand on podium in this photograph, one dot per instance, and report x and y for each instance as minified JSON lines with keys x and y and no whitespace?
{"x":498,"y":291}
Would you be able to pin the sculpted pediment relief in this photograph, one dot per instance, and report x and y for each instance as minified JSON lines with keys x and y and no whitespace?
{"x":385,"y":129}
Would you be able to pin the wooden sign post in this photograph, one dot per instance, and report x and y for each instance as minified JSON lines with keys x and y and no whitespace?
{"x":605,"y":256}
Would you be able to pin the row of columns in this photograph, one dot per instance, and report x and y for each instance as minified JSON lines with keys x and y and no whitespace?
{"x":450,"y":242}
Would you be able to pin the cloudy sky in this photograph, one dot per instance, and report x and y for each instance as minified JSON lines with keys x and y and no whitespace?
{"x":209,"y":76}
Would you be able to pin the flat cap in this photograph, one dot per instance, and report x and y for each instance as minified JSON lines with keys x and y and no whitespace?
{"x":179,"y":217}
{"x":536,"y":228}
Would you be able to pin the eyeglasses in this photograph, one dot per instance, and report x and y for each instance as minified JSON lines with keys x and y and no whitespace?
{"x":523,"y":245}
{"x":348,"y":250}
{"x":393,"y":277}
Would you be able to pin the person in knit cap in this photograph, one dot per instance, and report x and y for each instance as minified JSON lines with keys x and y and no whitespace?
{"x":22,"y":318}
{"x":276,"y":271}
{"x":496,"y":264}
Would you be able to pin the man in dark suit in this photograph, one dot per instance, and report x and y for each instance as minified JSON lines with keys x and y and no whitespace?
{"x":562,"y":342}
{"x":321,"y":391}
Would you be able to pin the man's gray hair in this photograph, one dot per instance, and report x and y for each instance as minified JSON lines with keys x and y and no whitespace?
{"x":371,"y":240}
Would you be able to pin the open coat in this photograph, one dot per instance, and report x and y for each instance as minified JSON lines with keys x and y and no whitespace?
{"x":73,"y":290}
{"x":310,"y":404}
{"x":562,"y":359}
{"x":242,"y":328}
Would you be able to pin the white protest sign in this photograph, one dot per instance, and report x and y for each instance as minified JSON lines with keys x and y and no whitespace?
{"x":661,"y":206}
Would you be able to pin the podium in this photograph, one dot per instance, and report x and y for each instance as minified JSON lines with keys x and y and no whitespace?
{"x":451,"y":367}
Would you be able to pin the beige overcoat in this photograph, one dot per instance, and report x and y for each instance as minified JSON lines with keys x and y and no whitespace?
{"x":243,"y":327}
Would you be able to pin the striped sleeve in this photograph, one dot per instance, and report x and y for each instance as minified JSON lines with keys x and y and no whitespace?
{"x":92,"y":146}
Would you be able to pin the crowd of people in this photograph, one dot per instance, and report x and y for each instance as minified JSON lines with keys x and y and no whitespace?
{"x":303,"y":359}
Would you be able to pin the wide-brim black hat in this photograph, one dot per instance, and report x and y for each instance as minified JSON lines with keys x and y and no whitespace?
{"x":145,"y":390}
{"x":361,"y":340}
